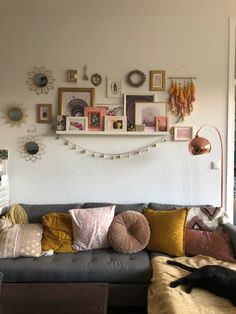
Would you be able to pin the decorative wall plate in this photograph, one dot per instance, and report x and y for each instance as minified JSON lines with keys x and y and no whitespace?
{"x":136,"y":78}
{"x":96,"y":79}
{"x":15,"y":114}
{"x":40,"y":80}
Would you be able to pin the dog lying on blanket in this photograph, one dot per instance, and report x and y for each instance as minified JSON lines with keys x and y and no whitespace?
{"x":216,"y":279}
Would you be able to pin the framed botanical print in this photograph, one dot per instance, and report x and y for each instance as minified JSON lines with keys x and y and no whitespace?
{"x":129,"y":105}
{"x":145,"y":113}
{"x":72,"y":101}
{"x":95,"y":118}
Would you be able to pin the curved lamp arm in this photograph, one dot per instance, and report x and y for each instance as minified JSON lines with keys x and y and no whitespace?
{"x":200,"y":145}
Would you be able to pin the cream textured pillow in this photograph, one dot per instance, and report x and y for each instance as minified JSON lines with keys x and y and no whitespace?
{"x":90,"y":227}
{"x":21,"y":240}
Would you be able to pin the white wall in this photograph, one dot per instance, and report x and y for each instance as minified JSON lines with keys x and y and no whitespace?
{"x":114,"y":39}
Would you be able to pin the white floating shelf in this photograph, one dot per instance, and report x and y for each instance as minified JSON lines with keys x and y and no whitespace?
{"x":123,"y":133}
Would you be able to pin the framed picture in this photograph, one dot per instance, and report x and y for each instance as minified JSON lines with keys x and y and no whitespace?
{"x":115,"y":123}
{"x":146,"y":113}
{"x":72,"y":101}
{"x":183,"y":133}
{"x":114,"y":87}
{"x":112,"y":110}
{"x":162,"y":123}
{"x":95,"y":118}
{"x":44,"y":113}
{"x":157,"y":80}
{"x":76,"y":123}
{"x":129,"y":105}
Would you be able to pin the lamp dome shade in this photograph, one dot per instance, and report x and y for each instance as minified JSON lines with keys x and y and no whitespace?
{"x":199,"y":146}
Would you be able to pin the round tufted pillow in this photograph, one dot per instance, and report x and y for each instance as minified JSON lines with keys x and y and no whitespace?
{"x":129,"y":232}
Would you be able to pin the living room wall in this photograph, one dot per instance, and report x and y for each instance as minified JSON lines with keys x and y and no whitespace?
{"x":113,"y":38}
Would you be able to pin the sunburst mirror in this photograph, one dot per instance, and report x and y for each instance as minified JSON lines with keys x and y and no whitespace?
{"x":31,"y":146}
{"x":15,"y":114}
{"x":40,"y":80}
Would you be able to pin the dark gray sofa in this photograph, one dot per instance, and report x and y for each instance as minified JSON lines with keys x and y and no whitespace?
{"x":127,"y":275}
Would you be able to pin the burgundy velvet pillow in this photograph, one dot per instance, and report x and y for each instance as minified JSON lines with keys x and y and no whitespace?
{"x":215,"y":244}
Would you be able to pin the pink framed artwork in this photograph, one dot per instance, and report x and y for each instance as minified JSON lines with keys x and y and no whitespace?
{"x":95,"y":118}
{"x":162,"y":123}
{"x":183,"y":133}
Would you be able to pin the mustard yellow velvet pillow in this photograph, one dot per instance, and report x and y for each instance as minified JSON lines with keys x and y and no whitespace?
{"x":58,"y":234}
{"x":167,"y":230}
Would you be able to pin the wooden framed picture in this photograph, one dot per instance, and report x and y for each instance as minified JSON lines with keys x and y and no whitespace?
{"x":114,"y":87}
{"x":162,"y":124}
{"x":157,"y":80}
{"x":76,"y":123}
{"x":115,"y":123}
{"x":44,"y":113}
{"x":146,"y":113}
{"x":95,"y":118}
{"x":183,"y":133}
{"x":72,"y":101}
{"x":129,"y":105}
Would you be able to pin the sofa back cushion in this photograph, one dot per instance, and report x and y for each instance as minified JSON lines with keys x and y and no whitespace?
{"x":36,"y":212}
{"x":138,"y":207}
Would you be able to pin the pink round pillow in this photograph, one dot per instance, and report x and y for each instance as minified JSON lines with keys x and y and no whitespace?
{"x":129,"y":232}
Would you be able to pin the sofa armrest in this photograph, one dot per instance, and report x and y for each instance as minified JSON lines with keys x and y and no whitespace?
{"x":231,"y":229}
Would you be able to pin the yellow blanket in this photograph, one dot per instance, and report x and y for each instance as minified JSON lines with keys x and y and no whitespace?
{"x":165,"y":300}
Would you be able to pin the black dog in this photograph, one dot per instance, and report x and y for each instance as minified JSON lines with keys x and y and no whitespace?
{"x":217,"y":279}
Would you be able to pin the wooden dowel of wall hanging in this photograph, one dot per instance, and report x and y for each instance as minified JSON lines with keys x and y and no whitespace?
{"x":182,"y":78}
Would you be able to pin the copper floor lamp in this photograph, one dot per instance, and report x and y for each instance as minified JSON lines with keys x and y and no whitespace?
{"x":200,"y":145}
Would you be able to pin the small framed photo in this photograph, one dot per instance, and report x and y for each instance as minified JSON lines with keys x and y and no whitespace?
{"x":95,"y":118}
{"x":183,"y":133}
{"x":162,"y":124}
{"x":157,"y":80}
{"x":114,"y":87}
{"x":146,"y":113}
{"x":115,"y":123}
{"x":72,"y":101}
{"x":76,"y":123}
{"x":44,"y":113}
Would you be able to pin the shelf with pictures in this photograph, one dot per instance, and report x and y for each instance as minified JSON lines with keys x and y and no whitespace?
{"x":109,"y":126}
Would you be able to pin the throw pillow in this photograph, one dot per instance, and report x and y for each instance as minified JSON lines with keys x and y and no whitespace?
{"x":214,"y":243}
{"x":204,"y":218}
{"x":129,"y":232}
{"x":90,"y":227}
{"x":58,"y":233}
{"x":17,"y":215}
{"x":167,"y":230}
{"x":21,"y":240}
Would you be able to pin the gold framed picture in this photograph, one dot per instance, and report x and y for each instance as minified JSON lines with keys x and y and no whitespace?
{"x":157,"y":80}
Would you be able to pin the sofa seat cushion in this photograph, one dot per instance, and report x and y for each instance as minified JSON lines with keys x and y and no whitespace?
{"x":102,"y":265}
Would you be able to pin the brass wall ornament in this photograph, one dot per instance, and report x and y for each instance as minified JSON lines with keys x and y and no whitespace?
{"x":40,"y":80}
{"x":31,"y":146}
{"x":136,"y":78}
{"x":96,"y":79}
{"x":15,"y":114}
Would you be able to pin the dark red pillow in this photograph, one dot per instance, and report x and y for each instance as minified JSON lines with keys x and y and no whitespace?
{"x":215,"y":244}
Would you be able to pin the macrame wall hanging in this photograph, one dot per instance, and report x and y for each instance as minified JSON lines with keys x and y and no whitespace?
{"x":182,"y":95}
{"x":96,"y":154}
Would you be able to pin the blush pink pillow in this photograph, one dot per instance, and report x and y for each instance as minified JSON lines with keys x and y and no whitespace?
{"x":90,"y":227}
{"x":215,"y":244}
